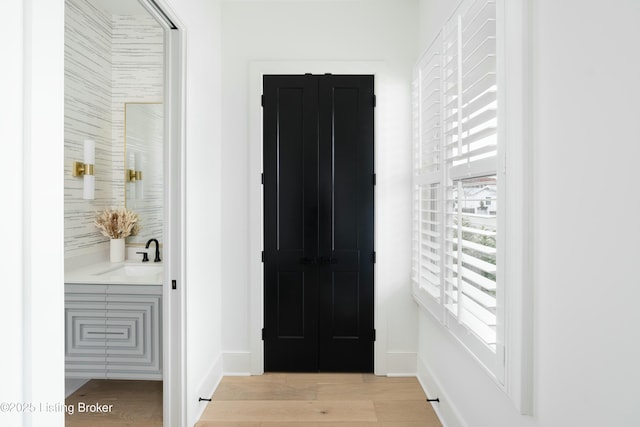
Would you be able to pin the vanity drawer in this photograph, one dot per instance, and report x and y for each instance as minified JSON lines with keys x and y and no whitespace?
{"x":113,"y":331}
{"x":135,"y":352}
{"x":85,"y":350}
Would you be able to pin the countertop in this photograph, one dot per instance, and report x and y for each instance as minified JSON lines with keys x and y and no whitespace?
{"x":112,"y":273}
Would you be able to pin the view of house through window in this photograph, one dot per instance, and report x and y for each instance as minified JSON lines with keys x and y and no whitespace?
{"x":471,"y":256}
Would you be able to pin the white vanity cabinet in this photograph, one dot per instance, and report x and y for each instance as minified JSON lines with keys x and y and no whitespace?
{"x":113,"y":331}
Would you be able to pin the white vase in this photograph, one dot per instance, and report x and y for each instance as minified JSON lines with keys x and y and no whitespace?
{"x":116,"y":251}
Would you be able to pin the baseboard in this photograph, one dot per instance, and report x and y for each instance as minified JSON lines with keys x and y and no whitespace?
{"x":445,"y":409}
{"x":236,"y":363}
{"x":73,"y":384}
{"x":401,"y":364}
{"x":206,"y":389}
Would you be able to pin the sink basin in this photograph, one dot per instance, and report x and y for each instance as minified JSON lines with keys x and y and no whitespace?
{"x":134,"y":270}
{"x":137,"y":270}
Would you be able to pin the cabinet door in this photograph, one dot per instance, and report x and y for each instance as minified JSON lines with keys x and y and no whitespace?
{"x":133,"y":332}
{"x":85,"y":331}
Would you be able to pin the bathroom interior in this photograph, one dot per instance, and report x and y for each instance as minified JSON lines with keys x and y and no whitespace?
{"x":114,"y":78}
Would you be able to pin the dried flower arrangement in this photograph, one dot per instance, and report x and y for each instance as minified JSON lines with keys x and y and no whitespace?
{"x":117,"y":223}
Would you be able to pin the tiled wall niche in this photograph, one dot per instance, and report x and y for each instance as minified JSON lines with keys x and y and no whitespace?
{"x":109,"y":60}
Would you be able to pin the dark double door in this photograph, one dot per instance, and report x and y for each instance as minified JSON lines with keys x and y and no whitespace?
{"x":318,"y":223}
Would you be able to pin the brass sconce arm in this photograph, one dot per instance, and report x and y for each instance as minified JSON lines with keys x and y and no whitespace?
{"x":81,"y":169}
{"x":133,"y":175}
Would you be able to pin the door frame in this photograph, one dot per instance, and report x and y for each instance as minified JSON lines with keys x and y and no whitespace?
{"x":256,"y":203}
{"x":173,"y":301}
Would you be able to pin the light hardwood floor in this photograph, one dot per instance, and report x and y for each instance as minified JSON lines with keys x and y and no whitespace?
{"x":322,"y":400}
{"x":270,"y":400}
{"x":134,"y":404}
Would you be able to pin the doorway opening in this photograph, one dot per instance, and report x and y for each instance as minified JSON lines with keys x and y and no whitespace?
{"x":318,"y":162}
{"x":123,"y":92}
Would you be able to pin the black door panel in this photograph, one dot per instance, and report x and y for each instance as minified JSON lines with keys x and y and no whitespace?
{"x":318,"y":198}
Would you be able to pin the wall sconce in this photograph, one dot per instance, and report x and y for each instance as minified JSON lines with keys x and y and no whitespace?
{"x":134,"y":175}
{"x":86,"y":170}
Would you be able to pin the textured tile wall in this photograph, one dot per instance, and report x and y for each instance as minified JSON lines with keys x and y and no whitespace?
{"x":109,"y":60}
{"x":87,"y":115}
{"x":137,"y":76}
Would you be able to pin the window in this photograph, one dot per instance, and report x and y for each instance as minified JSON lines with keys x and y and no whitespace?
{"x":459,"y":184}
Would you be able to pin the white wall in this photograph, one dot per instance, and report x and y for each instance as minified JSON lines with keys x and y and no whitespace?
{"x":285,"y":32}
{"x":11,"y":309}
{"x":32,"y":263}
{"x":202,"y":358}
{"x":586,"y":126}
{"x":433,"y":13}
{"x":585,"y":115}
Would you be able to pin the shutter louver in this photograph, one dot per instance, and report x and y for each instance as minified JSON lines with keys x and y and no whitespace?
{"x":430,"y":113}
{"x":430,"y":241}
{"x":415,"y":208}
{"x":428,"y":175}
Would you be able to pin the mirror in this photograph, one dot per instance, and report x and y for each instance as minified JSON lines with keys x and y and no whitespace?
{"x":143,"y":160}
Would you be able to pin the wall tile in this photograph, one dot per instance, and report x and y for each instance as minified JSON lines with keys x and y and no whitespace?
{"x":109,"y":60}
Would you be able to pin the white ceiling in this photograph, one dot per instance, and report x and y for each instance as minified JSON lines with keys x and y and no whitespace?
{"x":132,"y":7}
{"x":119,"y":7}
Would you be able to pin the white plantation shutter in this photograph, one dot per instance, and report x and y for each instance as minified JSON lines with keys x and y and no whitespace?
{"x":456,"y":253}
{"x":428,"y":176}
{"x":471,"y":161}
{"x":415,"y":203}
{"x":470,"y":97}
{"x":470,"y":247}
{"x":430,"y":240}
{"x":430,"y":94}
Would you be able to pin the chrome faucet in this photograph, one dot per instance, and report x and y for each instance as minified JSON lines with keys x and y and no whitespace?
{"x":157,"y":258}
